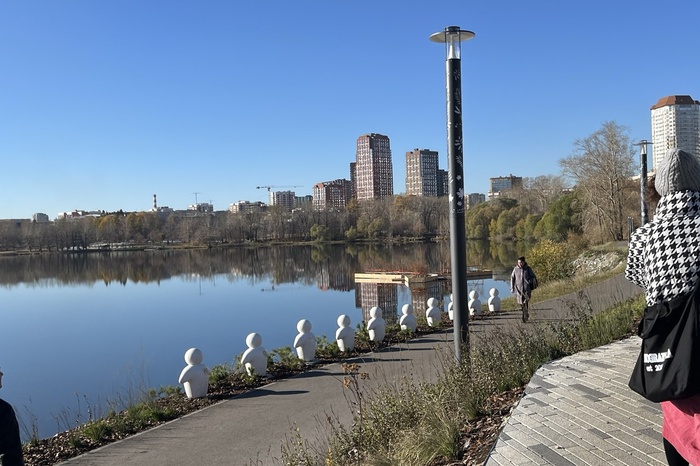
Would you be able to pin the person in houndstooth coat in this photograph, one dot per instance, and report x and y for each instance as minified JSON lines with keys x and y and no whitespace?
{"x":664,"y":259}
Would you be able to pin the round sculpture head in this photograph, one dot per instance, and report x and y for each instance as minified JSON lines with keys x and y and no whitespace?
{"x":432,"y":302}
{"x":493,"y":292}
{"x":473,"y":294}
{"x":343,"y":321}
{"x":304,"y":326}
{"x":407,"y":309}
{"x":375,"y":312}
{"x":193,"y":356}
{"x":253,"y":340}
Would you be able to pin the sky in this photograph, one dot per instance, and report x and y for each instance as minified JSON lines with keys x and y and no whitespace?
{"x":104,"y":103}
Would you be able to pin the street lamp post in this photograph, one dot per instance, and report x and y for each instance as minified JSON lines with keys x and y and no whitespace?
{"x":643,"y":178}
{"x":452,"y":37}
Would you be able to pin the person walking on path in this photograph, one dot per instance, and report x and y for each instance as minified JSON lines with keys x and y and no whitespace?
{"x":10,"y":443}
{"x":664,"y":259}
{"x":521,"y":283}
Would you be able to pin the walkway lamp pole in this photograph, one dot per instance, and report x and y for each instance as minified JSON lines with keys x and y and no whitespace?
{"x":452,"y":37}
{"x":643,"y":178}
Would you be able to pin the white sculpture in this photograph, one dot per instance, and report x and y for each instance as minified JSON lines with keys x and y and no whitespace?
{"x":195,"y":377}
{"x":432,"y":314}
{"x":376,"y":325}
{"x":451,"y":309}
{"x":255,"y":357}
{"x":408,"y":320}
{"x":345,"y":335}
{"x":474,"y":303}
{"x":305,"y":341}
{"x":494,"y":301}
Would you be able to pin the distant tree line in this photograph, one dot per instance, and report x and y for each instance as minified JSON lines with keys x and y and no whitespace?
{"x":595,"y":211}
{"x":399,"y":216}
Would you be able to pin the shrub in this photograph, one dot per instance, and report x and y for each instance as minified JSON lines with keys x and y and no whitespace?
{"x":97,"y":431}
{"x":148,"y":412}
{"x":326,"y":349}
{"x":219,"y":373}
{"x":551,"y":261}
{"x":285,"y":358}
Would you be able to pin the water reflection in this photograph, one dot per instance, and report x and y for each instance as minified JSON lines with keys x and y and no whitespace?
{"x":76,"y":323}
{"x":331,"y":266}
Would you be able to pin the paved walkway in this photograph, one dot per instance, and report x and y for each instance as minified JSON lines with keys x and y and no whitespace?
{"x":577,"y":410}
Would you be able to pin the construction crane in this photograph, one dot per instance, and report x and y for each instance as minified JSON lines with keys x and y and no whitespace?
{"x":285,"y":186}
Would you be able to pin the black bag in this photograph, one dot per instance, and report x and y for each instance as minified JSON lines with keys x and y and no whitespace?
{"x":533,"y":279}
{"x":668,"y":366}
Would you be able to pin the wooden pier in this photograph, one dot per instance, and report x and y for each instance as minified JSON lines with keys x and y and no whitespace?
{"x":409,"y":278}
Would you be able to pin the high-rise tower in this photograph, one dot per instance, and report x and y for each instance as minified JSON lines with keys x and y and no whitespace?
{"x":675,"y":122}
{"x":422,"y":173}
{"x":374,"y":176}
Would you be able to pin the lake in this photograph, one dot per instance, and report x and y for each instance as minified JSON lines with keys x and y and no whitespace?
{"x":85,"y":331}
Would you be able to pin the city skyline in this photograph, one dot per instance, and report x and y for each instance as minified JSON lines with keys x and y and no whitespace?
{"x":105,"y":104}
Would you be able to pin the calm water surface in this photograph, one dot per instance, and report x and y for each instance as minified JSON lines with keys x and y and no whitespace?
{"x":80,"y":332}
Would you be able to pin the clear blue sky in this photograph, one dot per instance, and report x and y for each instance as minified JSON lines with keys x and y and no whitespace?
{"x":106,"y":102}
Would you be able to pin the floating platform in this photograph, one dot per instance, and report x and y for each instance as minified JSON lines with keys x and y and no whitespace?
{"x":408,"y":278}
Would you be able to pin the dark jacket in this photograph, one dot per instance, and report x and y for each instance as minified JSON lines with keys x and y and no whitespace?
{"x":10,"y":443}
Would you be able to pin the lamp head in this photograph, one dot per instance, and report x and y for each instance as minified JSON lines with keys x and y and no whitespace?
{"x":452,"y":36}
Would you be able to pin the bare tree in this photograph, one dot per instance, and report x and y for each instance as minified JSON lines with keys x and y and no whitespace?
{"x":601,"y":165}
{"x":543,"y":191}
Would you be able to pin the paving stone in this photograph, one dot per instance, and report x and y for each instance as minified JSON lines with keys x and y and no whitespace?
{"x":552,"y":456}
{"x":583,"y":457}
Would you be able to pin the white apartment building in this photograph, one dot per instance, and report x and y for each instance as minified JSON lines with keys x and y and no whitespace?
{"x":246,"y":206}
{"x":286,"y":199}
{"x":422,"y":173}
{"x":675,"y":122}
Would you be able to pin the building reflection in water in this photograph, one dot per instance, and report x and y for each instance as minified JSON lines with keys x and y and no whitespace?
{"x":386,"y":296}
{"x":334,"y":278}
{"x":421,"y":292}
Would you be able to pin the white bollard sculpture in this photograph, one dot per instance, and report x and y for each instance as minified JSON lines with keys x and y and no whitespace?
{"x":305,"y":341}
{"x":451,"y":309}
{"x":494,"y":301}
{"x":195,"y":377}
{"x":474,"y":303}
{"x":432,"y":314}
{"x":345,"y":335}
{"x":408,"y":320}
{"x":255,"y":357}
{"x":376,"y":325}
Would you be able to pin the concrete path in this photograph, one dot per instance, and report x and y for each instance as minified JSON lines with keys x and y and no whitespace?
{"x":250,"y":429}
